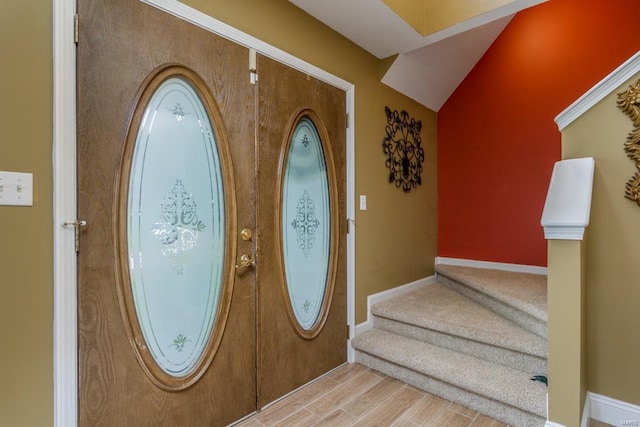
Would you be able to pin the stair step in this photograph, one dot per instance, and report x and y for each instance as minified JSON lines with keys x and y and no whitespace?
{"x":498,"y":391}
{"x":519,"y":297}
{"x":441,"y":316}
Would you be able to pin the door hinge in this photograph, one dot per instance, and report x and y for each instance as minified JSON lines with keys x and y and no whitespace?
{"x":76,"y":224}
{"x":253,"y":67}
{"x":347,"y":120}
{"x":76,"y":28}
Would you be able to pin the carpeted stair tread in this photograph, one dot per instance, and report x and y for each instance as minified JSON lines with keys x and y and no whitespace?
{"x":439,"y":308}
{"x":525,"y":291}
{"x":496,"y":382}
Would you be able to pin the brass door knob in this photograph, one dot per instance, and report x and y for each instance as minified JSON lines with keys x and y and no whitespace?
{"x":245,"y":261}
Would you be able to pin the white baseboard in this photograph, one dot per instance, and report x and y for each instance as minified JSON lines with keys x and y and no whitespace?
{"x":388,"y":294}
{"x":518,"y":268}
{"x":586,"y":412}
{"x":612,"y":411}
{"x":607,"y":410}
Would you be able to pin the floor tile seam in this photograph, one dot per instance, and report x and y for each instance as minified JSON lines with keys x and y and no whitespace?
{"x":316,"y":397}
{"x":364,"y":416}
{"x":375,"y":407}
{"x":288,"y":416}
{"x":450,"y":409}
{"x":403,"y":421}
{"x":324,"y":419}
{"x":426,"y":397}
{"x":436,"y":421}
{"x":350,"y":394}
{"x":364,"y":369}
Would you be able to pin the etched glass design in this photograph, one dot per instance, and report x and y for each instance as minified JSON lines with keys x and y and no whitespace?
{"x":306,"y":223}
{"x":176,"y":227}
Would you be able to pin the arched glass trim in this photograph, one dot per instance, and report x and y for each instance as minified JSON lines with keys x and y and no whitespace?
{"x":176,"y":217}
{"x":306,"y":226}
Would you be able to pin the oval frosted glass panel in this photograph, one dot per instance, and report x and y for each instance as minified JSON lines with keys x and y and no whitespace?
{"x":306,"y":223}
{"x":176,"y":227}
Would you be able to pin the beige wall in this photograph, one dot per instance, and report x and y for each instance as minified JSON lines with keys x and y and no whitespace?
{"x":567,"y":330}
{"x":396,"y":236}
{"x":613,"y":250}
{"x":26,"y":388}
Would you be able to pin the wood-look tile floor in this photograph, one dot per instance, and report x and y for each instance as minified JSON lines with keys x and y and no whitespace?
{"x":354,"y":395}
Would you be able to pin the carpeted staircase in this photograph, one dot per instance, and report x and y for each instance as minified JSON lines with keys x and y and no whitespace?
{"x":476,"y":337}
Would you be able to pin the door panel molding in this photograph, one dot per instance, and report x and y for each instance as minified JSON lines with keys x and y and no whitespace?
{"x":65,"y":327}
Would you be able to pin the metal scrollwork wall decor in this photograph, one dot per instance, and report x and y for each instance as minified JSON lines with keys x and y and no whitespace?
{"x":629,"y":103}
{"x":402,"y":147}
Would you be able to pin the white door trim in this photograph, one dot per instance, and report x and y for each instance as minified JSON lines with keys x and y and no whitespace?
{"x":65,"y":328}
{"x":65,"y":349}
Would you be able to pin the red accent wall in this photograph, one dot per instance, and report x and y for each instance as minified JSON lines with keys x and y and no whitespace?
{"x":497,"y":141}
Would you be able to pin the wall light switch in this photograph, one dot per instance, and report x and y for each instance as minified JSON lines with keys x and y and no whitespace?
{"x":16,"y":189}
{"x":363,"y":202}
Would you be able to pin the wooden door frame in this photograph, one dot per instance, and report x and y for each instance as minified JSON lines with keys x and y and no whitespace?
{"x":65,"y":326}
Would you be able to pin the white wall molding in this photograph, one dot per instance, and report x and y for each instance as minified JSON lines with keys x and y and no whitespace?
{"x":65,"y":350}
{"x":552,"y":424}
{"x":388,"y":294}
{"x":612,"y":411}
{"x":599,"y":91}
{"x":517,"y":268}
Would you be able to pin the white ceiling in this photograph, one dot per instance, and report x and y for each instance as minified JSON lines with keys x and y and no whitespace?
{"x":428,"y":68}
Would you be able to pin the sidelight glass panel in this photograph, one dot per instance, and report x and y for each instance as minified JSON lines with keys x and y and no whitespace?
{"x":176,"y":227}
{"x":306,"y":223}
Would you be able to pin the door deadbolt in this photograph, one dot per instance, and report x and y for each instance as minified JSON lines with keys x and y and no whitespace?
{"x":246,"y":234}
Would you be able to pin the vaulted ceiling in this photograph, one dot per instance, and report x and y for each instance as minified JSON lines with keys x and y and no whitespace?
{"x":437,"y":42}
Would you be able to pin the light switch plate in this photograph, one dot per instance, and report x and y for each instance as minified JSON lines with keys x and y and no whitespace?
{"x":363,"y":202}
{"x":16,"y":189}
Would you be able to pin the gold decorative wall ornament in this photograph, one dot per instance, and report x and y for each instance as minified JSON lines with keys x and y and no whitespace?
{"x":629,"y":103}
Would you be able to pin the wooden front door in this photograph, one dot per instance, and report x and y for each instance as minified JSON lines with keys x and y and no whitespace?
{"x":126,"y":50}
{"x":164,"y":237}
{"x":296,"y":343}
